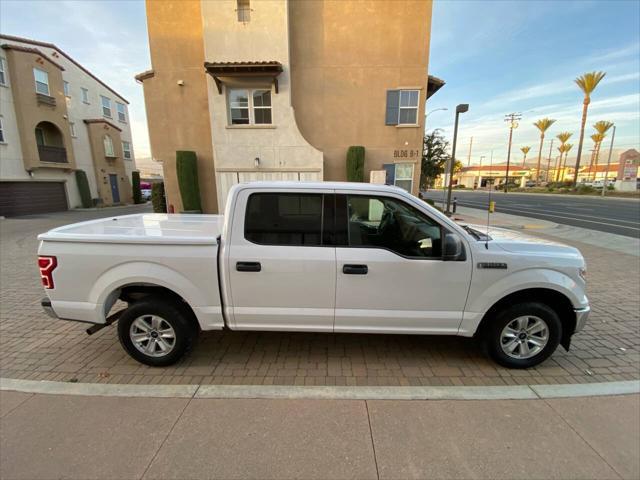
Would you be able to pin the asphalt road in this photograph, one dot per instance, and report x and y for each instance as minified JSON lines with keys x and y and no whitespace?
{"x":613,"y":215}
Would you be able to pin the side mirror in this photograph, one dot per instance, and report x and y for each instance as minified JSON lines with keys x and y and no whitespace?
{"x":453,"y":248}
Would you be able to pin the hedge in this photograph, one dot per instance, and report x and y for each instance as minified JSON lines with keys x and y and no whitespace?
{"x":158,"y":198}
{"x":355,"y":164}
{"x":135,"y":184}
{"x":83,"y":187}
{"x":187,"y":170}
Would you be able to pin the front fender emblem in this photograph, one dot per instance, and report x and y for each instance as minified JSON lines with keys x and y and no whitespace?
{"x":498,"y":265}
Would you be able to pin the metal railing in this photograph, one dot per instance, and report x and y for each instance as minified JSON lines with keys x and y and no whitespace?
{"x":52,"y":154}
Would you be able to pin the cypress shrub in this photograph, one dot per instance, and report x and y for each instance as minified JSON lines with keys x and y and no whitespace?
{"x":83,"y":187}
{"x":158,"y":198}
{"x":355,"y":164}
{"x":135,"y":183}
{"x":187,"y":169}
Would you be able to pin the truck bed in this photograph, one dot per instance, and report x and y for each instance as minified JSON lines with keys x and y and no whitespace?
{"x":146,"y":228}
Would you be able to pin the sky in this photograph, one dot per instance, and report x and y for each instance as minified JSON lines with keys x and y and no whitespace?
{"x":506,"y":56}
{"x":499,"y":56}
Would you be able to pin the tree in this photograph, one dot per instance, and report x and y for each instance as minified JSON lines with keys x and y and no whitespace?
{"x":563,"y":137}
{"x":434,"y":158}
{"x":602,"y":127}
{"x":524,"y":150}
{"x":567,"y":147}
{"x":543,"y":125}
{"x":596,"y":138}
{"x":587,"y":83}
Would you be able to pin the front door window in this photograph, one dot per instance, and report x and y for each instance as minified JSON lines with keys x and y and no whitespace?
{"x":388,"y":223}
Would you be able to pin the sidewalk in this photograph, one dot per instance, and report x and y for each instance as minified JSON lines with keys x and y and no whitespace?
{"x":68,"y":436}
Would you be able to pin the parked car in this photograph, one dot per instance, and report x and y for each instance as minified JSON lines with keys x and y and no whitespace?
{"x":146,"y":194}
{"x":530,"y":183}
{"x":314,"y":257}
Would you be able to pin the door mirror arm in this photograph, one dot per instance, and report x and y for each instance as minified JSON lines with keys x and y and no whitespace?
{"x":453,"y":249}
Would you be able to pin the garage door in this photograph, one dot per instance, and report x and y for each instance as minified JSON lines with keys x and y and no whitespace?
{"x":226,"y":180}
{"x":27,"y":198}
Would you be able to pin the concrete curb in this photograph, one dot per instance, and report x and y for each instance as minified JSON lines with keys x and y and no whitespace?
{"x":518,"y":392}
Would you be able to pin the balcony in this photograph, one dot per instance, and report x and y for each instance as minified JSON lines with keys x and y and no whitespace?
{"x":52,"y":154}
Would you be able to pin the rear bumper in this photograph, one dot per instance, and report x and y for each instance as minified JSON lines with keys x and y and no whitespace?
{"x":581,"y":317}
{"x":48,"y":309}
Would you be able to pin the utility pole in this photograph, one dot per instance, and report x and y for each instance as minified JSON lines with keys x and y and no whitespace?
{"x":469,"y":155}
{"x":549,"y":161}
{"x":606,"y":172}
{"x":480,"y":172}
{"x":513,"y":119}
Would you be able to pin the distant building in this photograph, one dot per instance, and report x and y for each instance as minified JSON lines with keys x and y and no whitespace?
{"x":279,"y":90}
{"x":56,"y":117}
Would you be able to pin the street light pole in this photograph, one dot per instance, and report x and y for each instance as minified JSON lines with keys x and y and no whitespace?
{"x":606,"y":172}
{"x":462,"y":108}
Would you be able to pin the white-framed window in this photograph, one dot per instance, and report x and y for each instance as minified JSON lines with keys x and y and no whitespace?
{"x":72,"y":129}
{"x":243,"y":8}
{"x":122,"y":112}
{"x":404,"y":176}
{"x":250,"y":107}
{"x":2,"y":140}
{"x":106,"y":106}
{"x":126,"y":150}
{"x":65,"y":85}
{"x":3,"y":72}
{"x":85,"y":95}
{"x":42,"y":81}
{"x":108,"y":146}
{"x":402,"y":107}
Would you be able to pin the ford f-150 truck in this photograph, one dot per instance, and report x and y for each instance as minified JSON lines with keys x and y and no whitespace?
{"x":314,"y":257}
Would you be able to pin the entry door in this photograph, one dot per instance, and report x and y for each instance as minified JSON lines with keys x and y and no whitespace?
{"x":281,"y":270}
{"x":115,"y":193}
{"x":391,"y":276}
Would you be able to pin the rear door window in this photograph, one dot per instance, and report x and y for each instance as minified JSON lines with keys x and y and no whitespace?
{"x":293,"y":219}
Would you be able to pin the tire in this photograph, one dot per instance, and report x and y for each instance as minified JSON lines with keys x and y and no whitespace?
{"x":174,"y":326}
{"x":523,"y":335}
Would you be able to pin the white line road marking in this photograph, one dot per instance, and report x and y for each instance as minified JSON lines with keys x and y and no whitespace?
{"x":506,"y":209}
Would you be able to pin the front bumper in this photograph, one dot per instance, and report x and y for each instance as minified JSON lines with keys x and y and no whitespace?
{"x":581,"y":317}
{"x":48,"y":309}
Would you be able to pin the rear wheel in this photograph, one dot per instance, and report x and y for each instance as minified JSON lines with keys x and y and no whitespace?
{"x":156,"y":332}
{"x":523,"y":335}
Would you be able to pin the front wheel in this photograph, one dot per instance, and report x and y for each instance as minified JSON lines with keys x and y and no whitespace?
{"x":523,"y":335}
{"x":156,"y":332}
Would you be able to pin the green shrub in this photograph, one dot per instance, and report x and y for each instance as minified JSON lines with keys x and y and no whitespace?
{"x":158,"y":199}
{"x":187,"y":170}
{"x":585,"y":190}
{"x":355,"y":164}
{"x":83,"y":187}
{"x":135,"y":184}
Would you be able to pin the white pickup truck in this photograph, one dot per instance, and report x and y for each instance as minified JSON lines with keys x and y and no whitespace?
{"x":314,"y":257}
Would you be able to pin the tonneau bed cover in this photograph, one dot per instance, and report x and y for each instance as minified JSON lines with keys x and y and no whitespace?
{"x":151,"y":228}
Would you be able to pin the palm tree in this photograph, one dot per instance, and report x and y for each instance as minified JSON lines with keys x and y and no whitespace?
{"x":597,"y":138}
{"x":587,"y":83}
{"x":602,"y":127}
{"x":567,"y":147}
{"x":563,"y":137}
{"x":524,"y":150}
{"x":542,"y":125}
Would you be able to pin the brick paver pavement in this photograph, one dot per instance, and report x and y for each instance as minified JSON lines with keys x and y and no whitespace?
{"x":33,"y":346}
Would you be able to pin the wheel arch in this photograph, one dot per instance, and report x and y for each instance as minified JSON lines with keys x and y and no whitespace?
{"x":559,"y":302}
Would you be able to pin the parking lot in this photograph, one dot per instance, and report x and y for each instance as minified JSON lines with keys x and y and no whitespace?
{"x":33,"y":346}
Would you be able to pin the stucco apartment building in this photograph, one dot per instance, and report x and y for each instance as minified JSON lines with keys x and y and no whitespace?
{"x":279,"y":89}
{"x":55,"y":118}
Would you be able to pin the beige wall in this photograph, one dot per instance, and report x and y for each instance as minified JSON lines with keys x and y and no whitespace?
{"x":281,"y":148}
{"x":30,"y":112}
{"x":344,"y":57}
{"x":105,"y":166}
{"x":178,"y":116}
